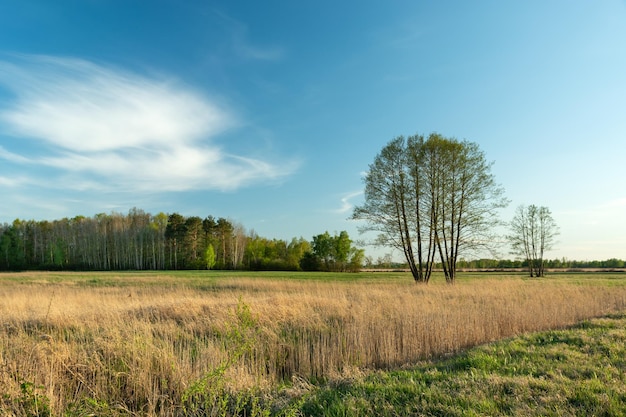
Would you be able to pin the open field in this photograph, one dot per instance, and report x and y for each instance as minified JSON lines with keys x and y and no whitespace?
{"x":176,"y":343}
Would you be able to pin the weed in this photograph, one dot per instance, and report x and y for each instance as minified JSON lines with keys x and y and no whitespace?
{"x":30,"y":402}
{"x":209,"y":395}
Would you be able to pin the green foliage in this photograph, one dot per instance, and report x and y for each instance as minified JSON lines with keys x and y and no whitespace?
{"x":333,"y":253}
{"x":264,"y":254}
{"x":210,"y":395}
{"x":310,"y":262}
{"x":31,"y":402}
{"x":209,"y":257}
{"x":141,"y":241}
{"x":12,"y":249}
{"x":91,"y":407}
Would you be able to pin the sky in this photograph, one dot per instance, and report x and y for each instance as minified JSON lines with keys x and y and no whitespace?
{"x":269,"y":113}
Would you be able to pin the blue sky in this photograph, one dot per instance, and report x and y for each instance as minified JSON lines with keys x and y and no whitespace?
{"x":268,"y":113}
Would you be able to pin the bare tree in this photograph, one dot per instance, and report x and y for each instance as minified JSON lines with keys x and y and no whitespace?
{"x":429,"y":197}
{"x":533,"y":231}
{"x":393,"y":203}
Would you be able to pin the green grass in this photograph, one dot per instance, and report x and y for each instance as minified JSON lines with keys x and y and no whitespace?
{"x":189,"y":278}
{"x":575,"y":372}
{"x":201,"y":279}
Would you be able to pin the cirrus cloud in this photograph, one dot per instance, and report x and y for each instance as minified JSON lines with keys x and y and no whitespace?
{"x":118,"y":130}
{"x":346,"y":204}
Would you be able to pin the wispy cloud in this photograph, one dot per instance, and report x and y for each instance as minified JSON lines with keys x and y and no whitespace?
{"x":346,"y":204}
{"x":105,"y":128}
{"x":11,"y":182}
{"x":10,"y":156}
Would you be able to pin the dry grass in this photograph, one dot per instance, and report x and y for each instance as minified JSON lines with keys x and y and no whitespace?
{"x":140,"y":347}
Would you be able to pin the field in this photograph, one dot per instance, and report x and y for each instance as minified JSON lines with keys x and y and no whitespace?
{"x":222,"y":343}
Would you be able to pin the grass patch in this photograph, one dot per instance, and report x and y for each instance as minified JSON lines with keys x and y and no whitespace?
{"x":580,"y":371}
{"x":199,"y":279}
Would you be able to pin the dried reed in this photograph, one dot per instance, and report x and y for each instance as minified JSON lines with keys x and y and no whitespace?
{"x":141,"y":346}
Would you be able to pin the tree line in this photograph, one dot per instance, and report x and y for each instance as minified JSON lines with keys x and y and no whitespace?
{"x":488,"y":263}
{"x":144,"y":241}
{"x":562,"y":263}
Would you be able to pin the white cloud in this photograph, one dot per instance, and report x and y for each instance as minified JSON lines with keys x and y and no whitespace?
{"x":120,"y":130}
{"x":80,"y":106}
{"x":13,"y":157}
{"x":11,"y":182}
{"x":346,"y":205}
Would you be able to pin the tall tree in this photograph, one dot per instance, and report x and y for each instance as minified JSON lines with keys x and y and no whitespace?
{"x":396,"y":204}
{"x":332,"y":253}
{"x":175,"y":234}
{"x":295,"y":251}
{"x":533,"y":231}
{"x":224,"y":233}
{"x":323,"y":248}
{"x":158,"y":227}
{"x":428,"y":197}
{"x":194,"y":248}
{"x":238,"y":248}
{"x":209,"y":257}
{"x":467,"y":214}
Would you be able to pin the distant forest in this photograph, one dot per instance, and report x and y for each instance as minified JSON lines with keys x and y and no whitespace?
{"x":142,"y":241}
{"x":497,"y":264}
{"x":549,"y":263}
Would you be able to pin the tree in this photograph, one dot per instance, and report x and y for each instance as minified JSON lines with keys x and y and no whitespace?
{"x":209,"y":257}
{"x":310,"y":262}
{"x":265,"y":254}
{"x":175,"y":233}
{"x":390,"y":207}
{"x":342,"y":246}
{"x":431,"y":197}
{"x":224,"y":233}
{"x":158,"y":226}
{"x":533,"y":231}
{"x":193,"y":246}
{"x":322,"y":245}
{"x":356,"y":259}
{"x":295,"y":251}
{"x":332,"y":253}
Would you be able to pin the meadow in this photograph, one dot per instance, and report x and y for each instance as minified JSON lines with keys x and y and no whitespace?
{"x":269,"y":343}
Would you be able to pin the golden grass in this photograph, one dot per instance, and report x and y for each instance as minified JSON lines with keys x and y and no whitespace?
{"x":139,"y":347}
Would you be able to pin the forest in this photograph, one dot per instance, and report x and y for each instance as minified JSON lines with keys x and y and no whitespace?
{"x":143,"y":241}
